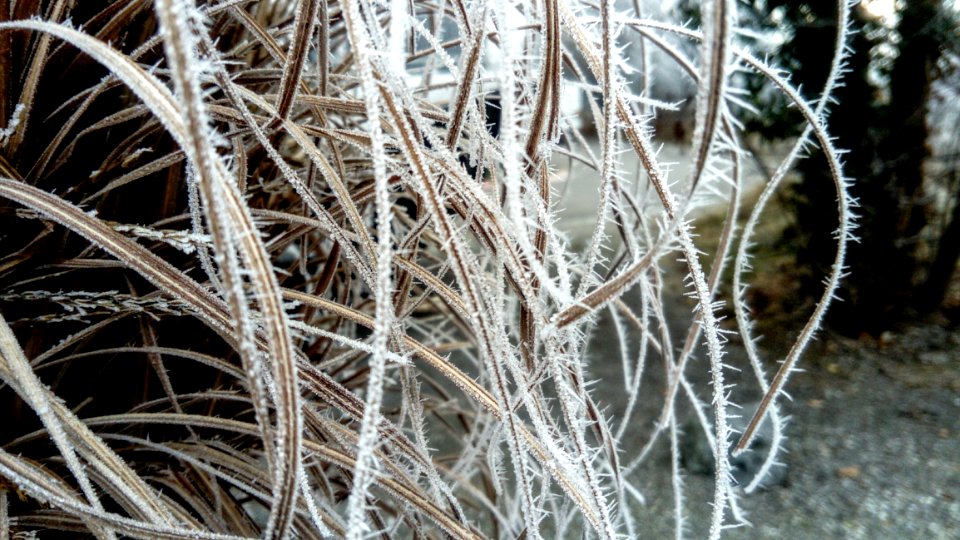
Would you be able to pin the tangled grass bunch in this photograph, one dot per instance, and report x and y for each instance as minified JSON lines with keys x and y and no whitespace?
{"x":296,"y":268}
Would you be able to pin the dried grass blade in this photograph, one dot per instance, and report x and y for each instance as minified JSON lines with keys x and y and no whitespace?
{"x":63,"y":426}
{"x":465,"y":87}
{"x":545,"y":111}
{"x":154,"y":269}
{"x":231,"y":227}
{"x":718,"y":17}
{"x":32,"y":80}
{"x":4,"y":512}
{"x":304,"y":23}
{"x":16,"y":372}
{"x":40,"y":485}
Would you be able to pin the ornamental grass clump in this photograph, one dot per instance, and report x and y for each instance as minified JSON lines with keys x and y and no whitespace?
{"x":296,"y":269}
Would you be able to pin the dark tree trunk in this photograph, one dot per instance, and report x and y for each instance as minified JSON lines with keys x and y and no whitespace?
{"x":887,"y":149}
{"x":906,"y":145}
{"x":935,"y":288}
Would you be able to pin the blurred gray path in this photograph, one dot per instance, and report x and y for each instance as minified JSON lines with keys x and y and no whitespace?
{"x":576,"y":198}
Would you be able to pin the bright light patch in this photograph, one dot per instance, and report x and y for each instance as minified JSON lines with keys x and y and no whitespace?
{"x":881,"y":9}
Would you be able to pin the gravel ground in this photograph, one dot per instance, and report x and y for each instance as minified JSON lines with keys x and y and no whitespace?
{"x":874,"y":443}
